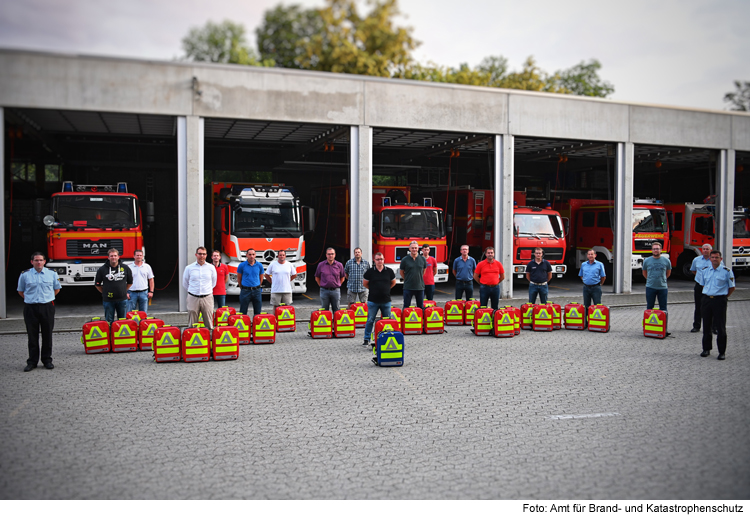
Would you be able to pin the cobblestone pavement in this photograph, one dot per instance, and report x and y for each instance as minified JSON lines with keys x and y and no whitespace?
{"x":564,"y":415}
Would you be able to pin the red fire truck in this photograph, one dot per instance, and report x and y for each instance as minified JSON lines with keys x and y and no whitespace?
{"x":86,"y":222}
{"x":693,"y":226}
{"x":396,"y":222}
{"x":267,"y":218}
{"x":471,"y":216}
{"x":592,"y":227}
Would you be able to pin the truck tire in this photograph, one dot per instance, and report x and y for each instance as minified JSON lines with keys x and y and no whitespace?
{"x":607,"y":267}
{"x":684,"y":262}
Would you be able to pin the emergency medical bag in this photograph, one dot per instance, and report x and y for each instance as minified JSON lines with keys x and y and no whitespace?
{"x":470,"y":306}
{"x":321,"y":324}
{"x":655,"y":324}
{"x":243,"y":324}
{"x":360,"y":314}
{"x":196,"y":344}
{"x":232,"y":311}
{"x":396,"y":314}
{"x":598,"y":318}
{"x":136,"y":315}
{"x":264,"y":329}
{"x":527,"y":316}
{"x":221,"y":315}
{"x":124,"y":335}
{"x":383,"y":325}
{"x":482,"y":322}
{"x":411,"y":321}
{"x":503,"y":323}
{"x":574,"y":316}
{"x":200,"y":324}
{"x":454,"y":313}
{"x":433,"y":320}
{"x":226,"y":342}
{"x":343,"y":323}
{"x":427,"y":303}
{"x":286,"y":318}
{"x":95,"y":338}
{"x":389,"y":349}
{"x":167,"y":344}
{"x":556,"y":315}
{"x":542,"y":318}
{"x":516,"y":318}
{"x":146,"y":329}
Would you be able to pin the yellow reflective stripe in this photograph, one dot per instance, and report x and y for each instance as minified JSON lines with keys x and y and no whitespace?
{"x":225,"y":349}
{"x":597,"y":322}
{"x":264,"y":334}
{"x":655,"y":328}
{"x":391,"y":355}
{"x":97,"y":342}
{"x":348,"y":328}
{"x":167,"y":350}
{"x":434,"y":325}
{"x":120,"y":341}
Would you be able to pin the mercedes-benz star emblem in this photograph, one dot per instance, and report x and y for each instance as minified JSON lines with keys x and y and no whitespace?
{"x":269,"y":255}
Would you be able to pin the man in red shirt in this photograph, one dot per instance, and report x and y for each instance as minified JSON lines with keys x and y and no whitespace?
{"x":430,"y":272}
{"x":222,"y":278}
{"x":489,"y":274}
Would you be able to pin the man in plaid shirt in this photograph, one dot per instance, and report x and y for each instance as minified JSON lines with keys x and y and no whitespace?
{"x":354,"y":270}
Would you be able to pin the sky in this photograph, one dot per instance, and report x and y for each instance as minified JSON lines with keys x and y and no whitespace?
{"x":683,"y":53}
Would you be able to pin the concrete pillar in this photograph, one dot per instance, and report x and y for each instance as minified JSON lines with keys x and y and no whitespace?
{"x":3,"y":305}
{"x":189,"y":194}
{"x":623,"y":244}
{"x":503,"y":207}
{"x":360,"y":197}
{"x":725,"y":205}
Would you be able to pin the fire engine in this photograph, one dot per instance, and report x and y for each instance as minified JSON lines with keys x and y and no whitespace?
{"x":592,"y":227}
{"x":396,"y":223}
{"x":471,"y":222}
{"x":86,"y":222}
{"x":693,"y":225}
{"x":267,"y":218}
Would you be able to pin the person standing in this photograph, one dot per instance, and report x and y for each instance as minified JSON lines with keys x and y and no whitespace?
{"x":38,"y":287}
{"x":222,"y":278}
{"x":379,"y":280}
{"x":412,"y":269}
{"x":463,"y":269}
{"x":281,"y":274}
{"x":699,"y":263}
{"x":330,"y":275}
{"x":538,"y":273}
{"x":489,"y":274}
{"x":199,"y":279}
{"x":250,"y":278}
{"x":113,"y":280}
{"x":143,"y":283}
{"x":429,"y":275}
{"x":656,"y":271}
{"x":718,"y":285}
{"x":354,"y":270}
{"x":593,"y":276}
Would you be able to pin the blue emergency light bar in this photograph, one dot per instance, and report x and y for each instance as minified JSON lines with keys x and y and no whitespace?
{"x":428,"y":202}
{"x":387,"y":201}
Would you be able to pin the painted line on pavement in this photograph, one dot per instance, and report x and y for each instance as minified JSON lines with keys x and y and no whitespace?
{"x":17,"y":409}
{"x":576,"y":416}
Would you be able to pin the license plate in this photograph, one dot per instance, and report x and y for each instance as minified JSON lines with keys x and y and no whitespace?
{"x":741,"y":260}
{"x":266,"y":290}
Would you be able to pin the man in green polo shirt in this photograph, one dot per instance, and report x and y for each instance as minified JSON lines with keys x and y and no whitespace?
{"x":412,"y":271}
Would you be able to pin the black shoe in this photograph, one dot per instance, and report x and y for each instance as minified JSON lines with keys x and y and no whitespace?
{"x":29,"y":368}
{"x":721,"y":356}
{"x":705,"y":353}
{"x":365,"y":343}
{"x":695,"y":330}
{"x":49,"y":366}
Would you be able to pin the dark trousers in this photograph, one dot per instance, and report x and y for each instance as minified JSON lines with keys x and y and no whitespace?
{"x":429,"y":291}
{"x":697,"y":297}
{"x":39,"y":317}
{"x":714,"y":312}
{"x":418,"y":296}
{"x":248,"y":296}
{"x":464,"y":287}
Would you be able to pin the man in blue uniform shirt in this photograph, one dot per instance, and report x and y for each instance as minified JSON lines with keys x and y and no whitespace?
{"x":593,"y":276}
{"x":700,"y":262}
{"x":718,"y":285}
{"x":38,"y":287}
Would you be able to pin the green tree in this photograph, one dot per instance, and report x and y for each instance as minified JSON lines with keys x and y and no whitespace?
{"x":224,"y":42}
{"x":583,"y":79}
{"x":284,"y":31}
{"x":739,"y":100}
{"x":531,"y":77}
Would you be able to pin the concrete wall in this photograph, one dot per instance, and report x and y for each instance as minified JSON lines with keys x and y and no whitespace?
{"x":46,"y":80}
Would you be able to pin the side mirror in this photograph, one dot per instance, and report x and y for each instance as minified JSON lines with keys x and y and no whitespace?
{"x":49,"y":221}
{"x":449,"y":223}
{"x":308,"y":217}
{"x":566,"y":225}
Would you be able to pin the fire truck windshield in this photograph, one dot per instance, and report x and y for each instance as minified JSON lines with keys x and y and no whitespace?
{"x":279,"y":219}
{"x":412,"y":223}
{"x":649,"y":221}
{"x":740,"y":227}
{"x":538,"y":225}
{"x":110,"y":210}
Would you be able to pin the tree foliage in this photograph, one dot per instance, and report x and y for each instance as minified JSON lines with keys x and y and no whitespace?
{"x":284,"y":32}
{"x":583,"y":79}
{"x":740,"y":99}
{"x":224,"y":42}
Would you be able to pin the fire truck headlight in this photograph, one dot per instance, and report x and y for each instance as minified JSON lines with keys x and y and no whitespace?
{"x":442,"y":272}
{"x":301,"y":276}
{"x":233,"y":278}
{"x":519,"y":269}
{"x":59,"y":271}
{"x":559,"y":269}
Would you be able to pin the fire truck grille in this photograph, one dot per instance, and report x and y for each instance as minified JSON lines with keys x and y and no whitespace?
{"x":549,"y":253}
{"x":644,"y":244}
{"x":91,"y":248}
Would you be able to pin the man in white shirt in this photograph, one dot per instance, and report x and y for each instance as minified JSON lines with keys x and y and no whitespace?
{"x":199,"y":280}
{"x":281,"y":274}
{"x":142,"y":288}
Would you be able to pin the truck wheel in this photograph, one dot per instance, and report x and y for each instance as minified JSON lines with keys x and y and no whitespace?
{"x":607,"y":267}
{"x":683,"y":266}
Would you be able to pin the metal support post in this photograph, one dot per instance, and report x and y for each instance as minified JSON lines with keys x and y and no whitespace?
{"x":3,"y":257}
{"x":360,"y":198}
{"x":724,"y":241}
{"x":189,"y":193}
{"x":503,"y":207}
{"x":623,"y":235}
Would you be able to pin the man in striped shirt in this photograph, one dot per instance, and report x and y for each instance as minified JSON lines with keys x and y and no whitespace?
{"x":354,"y":270}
